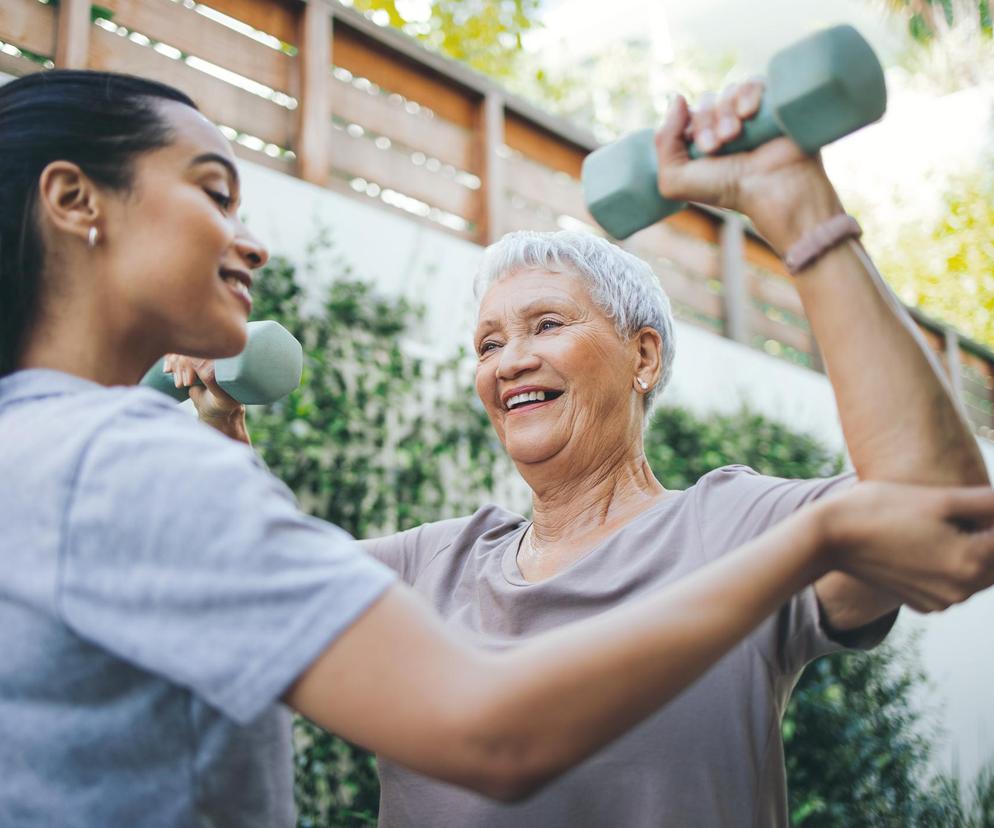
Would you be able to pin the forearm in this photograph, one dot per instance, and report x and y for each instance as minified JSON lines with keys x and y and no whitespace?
{"x":898,"y":415}
{"x":401,"y":684}
{"x":231,"y":425}
{"x":572,"y":691}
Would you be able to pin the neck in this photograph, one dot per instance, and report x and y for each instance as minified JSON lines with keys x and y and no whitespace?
{"x":84,"y":344}
{"x":577,"y":507}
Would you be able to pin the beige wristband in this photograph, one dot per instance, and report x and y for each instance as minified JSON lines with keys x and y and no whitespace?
{"x":819,"y":240}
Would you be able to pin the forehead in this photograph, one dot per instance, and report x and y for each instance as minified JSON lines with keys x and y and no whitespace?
{"x":193,"y":134}
{"x":519,"y":291}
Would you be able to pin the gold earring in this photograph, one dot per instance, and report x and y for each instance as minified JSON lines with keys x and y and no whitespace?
{"x":91,"y":239}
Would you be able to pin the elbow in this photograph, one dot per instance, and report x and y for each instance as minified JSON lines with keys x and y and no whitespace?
{"x":501,"y":757}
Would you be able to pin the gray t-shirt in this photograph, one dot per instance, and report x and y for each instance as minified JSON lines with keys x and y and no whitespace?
{"x":159,"y":591}
{"x":713,"y":757}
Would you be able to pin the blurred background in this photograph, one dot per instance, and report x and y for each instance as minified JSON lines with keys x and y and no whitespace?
{"x":384,"y":142}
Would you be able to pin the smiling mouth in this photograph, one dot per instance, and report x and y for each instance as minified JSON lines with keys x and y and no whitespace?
{"x":239,"y":284}
{"x":531,"y":399}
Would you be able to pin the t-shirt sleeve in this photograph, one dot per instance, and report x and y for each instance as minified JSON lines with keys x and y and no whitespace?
{"x":739,"y":505}
{"x":407,"y":553}
{"x":181,"y":555}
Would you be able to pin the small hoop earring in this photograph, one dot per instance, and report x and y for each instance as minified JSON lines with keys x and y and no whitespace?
{"x":91,"y":239}
{"x":642,"y":383}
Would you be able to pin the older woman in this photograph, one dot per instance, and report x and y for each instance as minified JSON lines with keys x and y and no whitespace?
{"x":574,"y":339}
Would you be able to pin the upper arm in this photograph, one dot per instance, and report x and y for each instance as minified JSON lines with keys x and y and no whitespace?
{"x":401,"y":684}
{"x":184,"y":558}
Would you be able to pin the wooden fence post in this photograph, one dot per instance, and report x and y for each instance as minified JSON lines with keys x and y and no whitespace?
{"x":954,"y":364}
{"x":733,"y":278}
{"x":314,"y":124}
{"x":72,"y":42}
{"x":490,"y":223}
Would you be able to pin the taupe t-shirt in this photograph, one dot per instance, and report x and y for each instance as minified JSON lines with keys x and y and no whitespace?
{"x":713,"y":757}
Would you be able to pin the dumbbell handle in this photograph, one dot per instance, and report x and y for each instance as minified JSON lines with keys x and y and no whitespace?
{"x":758,"y":130}
{"x":268,"y":369}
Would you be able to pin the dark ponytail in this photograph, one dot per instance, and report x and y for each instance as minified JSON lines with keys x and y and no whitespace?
{"x":97,"y":120}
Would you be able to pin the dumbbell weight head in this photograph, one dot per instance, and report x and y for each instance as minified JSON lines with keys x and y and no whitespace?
{"x":267,"y":369}
{"x":823,"y":87}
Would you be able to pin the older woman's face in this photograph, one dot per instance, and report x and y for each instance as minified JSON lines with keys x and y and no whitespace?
{"x":540,"y":335}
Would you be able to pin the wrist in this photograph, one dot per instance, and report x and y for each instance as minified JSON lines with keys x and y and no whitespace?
{"x":804,"y":202}
{"x":231,"y":424}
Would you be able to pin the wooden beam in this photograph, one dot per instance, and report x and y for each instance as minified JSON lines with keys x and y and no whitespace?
{"x":72,"y":43}
{"x":313,"y":146}
{"x":954,"y":364}
{"x":733,"y":277}
{"x":493,"y":174}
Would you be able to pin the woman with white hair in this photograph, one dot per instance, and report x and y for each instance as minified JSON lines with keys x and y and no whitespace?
{"x":574,"y":340}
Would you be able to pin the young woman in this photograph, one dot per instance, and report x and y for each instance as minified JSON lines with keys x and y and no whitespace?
{"x":163,"y":602}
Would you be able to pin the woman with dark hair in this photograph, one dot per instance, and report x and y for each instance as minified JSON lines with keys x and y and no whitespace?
{"x":162,"y":594}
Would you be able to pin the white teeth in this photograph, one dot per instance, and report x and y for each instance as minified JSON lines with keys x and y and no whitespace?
{"x":528,"y":396}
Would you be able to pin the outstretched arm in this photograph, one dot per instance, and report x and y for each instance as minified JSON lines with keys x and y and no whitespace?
{"x":404,"y":685}
{"x":900,"y":421}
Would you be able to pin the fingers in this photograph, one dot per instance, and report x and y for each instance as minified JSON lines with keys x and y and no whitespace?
{"x":716,"y":120}
{"x":972,"y":503}
{"x":670,"y":143}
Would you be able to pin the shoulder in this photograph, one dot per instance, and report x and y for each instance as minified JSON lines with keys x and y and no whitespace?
{"x":410,"y":552}
{"x":736,"y":503}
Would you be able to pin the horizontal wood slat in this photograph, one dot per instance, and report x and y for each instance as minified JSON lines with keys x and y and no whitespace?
{"x":16,"y":66}
{"x":28,"y":25}
{"x":436,"y":137}
{"x":219,"y":101}
{"x":396,"y":73}
{"x":194,"y":34}
{"x":542,"y":146}
{"x":774,"y":290}
{"x":393,"y":169}
{"x":761,"y":325}
{"x":542,"y":185}
{"x":279,"y":18}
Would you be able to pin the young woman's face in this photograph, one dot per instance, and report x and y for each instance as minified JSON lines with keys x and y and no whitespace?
{"x":177,"y":258}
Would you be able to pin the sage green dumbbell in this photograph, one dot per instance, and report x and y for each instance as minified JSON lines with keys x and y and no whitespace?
{"x":268,"y":369}
{"x":823,"y":87}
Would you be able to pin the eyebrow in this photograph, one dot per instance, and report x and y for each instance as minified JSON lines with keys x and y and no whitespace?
{"x":539,"y":306}
{"x":209,"y":157}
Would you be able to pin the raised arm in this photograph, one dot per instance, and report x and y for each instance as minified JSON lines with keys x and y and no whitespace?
{"x":900,"y":421}
{"x":402,"y":684}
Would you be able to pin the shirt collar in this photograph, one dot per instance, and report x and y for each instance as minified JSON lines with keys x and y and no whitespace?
{"x":35,"y":383}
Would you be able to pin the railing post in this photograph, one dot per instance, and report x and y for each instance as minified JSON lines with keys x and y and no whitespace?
{"x":953,"y":364}
{"x":733,"y":278}
{"x":314,"y":125}
{"x":72,"y":43}
{"x":490,"y":220}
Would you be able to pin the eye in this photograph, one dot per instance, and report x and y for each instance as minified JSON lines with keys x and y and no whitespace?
{"x":487,"y":347}
{"x":548,"y":325}
{"x":223,"y":201}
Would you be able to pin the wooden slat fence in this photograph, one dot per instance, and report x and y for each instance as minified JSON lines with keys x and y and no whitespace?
{"x":317,"y":91}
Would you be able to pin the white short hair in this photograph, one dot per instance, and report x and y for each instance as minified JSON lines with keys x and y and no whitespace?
{"x":621,"y":285}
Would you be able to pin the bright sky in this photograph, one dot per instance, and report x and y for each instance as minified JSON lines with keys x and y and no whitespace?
{"x":900,"y":161}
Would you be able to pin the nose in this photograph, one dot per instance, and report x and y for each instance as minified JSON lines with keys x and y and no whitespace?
{"x":516,"y":358}
{"x":251,"y":251}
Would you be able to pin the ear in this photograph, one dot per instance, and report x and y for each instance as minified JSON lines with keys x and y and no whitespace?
{"x":649,"y":354}
{"x":68,"y":199}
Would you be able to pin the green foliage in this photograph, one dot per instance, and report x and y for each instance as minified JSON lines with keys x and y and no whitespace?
{"x":927,"y":19}
{"x":363,"y":449}
{"x":681,"y":447}
{"x":856,"y":750}
{"x":946,"y":266}
{"x":483,"y":34}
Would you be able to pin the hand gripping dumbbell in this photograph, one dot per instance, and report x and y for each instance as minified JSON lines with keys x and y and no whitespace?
{"x":823,"y":87}
{"x":267,"y":369}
